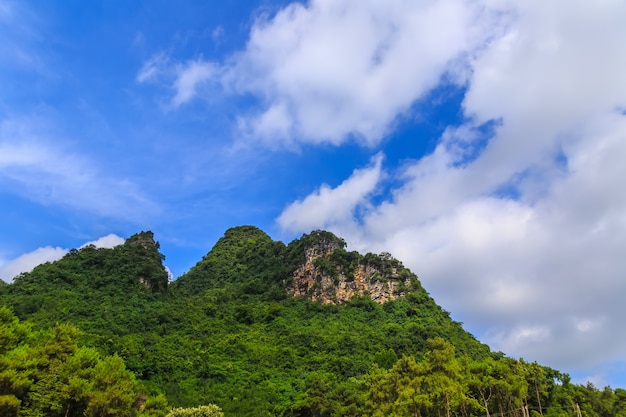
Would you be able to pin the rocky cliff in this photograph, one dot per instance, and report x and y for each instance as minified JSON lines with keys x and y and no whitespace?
{"x":331,"y":274}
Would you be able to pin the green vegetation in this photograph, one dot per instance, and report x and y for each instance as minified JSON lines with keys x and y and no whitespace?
{"x":228,"y":333}
{"x":45,"y":373}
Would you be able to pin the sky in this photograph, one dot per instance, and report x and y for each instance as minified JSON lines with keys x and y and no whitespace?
{"x":481,"y":142}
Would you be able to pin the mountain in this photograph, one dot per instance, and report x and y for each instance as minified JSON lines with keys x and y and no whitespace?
{"x":317,"y":267}
{"x":305,"y":329}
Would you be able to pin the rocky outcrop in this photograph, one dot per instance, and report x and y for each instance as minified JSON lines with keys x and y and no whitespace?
{"x":330,"y":274}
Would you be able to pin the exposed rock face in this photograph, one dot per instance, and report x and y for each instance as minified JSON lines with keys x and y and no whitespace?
{"x":145,"y":282}
{"x":324,"y":279}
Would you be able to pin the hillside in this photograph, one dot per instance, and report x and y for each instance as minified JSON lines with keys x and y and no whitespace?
{"x":261,"y":328}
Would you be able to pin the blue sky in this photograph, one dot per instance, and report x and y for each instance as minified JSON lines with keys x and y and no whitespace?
{"x":481,"y":142}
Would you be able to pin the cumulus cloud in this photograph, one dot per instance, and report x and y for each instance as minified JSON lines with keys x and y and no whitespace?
{"x":328,"y":206}
{"x":331,"y":70}
{"x":109,"y":241}
{"x":334,"y":70}
{"x":28,"y":261}
{"x":521,"y":233}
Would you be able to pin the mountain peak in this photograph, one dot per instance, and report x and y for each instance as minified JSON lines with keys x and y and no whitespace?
{"x":316,"y":266}
{"x":331,"y":274}
{"x":245,"y":255}
{"x":143,"y":239}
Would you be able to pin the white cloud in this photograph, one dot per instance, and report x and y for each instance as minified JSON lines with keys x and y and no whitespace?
{"x":330,"y":70}
{"x":31,"y":166}
{"x":328,"y":206}
{"x":153,"y":67}
{"x":524,"y":241}
{"x":28,"y":261}
{"x":189,"y":77}
{"x":109,"y":241}
{"x":170,"y":276}
{"x":335,"y":70}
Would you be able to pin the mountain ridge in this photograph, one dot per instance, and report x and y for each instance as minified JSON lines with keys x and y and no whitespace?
{"x":263,"y":328}
{"x":316,"y":266}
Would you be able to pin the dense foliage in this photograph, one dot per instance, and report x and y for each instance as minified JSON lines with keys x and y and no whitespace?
{"x":228,"y":333}
{"x":46,"y":373}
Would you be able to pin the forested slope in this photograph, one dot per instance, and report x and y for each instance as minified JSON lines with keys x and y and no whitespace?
{"x":231,"y":332}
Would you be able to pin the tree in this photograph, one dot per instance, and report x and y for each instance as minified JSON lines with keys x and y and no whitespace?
{"x":15,"y":364}
{"x":538,"y":385}
{"x":46,"y":373}
{"x":397,"y":392}
{"x":482,"y":382}
{"x":115,"y":392}
{"x":443,"y":382}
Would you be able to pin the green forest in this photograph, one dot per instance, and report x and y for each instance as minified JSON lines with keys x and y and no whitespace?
{"x":102,"y":332}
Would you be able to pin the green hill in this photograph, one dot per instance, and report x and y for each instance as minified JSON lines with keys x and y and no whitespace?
{"x":305,"y":329}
